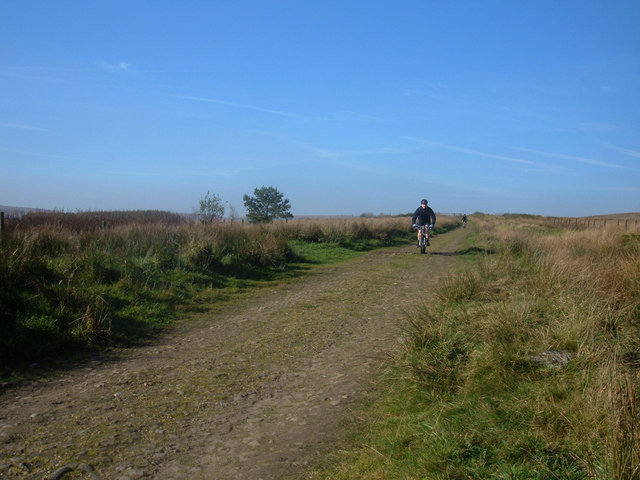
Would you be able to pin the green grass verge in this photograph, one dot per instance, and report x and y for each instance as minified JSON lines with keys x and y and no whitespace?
{"x":336,"y":252}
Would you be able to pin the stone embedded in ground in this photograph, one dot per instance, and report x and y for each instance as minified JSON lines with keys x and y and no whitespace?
{"x":552,"y":358}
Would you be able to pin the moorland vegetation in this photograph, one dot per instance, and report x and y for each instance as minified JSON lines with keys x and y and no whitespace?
{"x":91,"y":280}
{"x":526,"y":365}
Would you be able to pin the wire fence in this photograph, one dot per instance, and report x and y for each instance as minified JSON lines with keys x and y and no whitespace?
{"x":624,"y":224}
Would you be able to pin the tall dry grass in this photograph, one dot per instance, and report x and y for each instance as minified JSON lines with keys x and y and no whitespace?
{"x":575,"y":291}
{"x":525,"y":365}
{"x":83,"y":281}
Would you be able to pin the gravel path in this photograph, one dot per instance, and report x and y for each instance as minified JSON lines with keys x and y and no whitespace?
{"x":261,"y":390}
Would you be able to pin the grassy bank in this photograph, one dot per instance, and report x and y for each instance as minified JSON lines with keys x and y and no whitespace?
{"x":73,"y":282}
{"x":524,"y":367}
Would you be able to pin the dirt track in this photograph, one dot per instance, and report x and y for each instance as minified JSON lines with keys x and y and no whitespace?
{"x":260,"y":391}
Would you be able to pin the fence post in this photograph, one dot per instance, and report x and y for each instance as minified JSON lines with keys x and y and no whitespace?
{"x":1,"y":221}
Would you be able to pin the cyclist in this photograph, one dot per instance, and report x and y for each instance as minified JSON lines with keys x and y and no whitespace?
{"x":423,"y":215}
{"x":464,"y":220}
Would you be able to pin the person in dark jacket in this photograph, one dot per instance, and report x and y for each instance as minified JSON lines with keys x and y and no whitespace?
{"x":423,"y":215}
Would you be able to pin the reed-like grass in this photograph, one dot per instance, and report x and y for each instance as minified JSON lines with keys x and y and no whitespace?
{"x":526,"y":366}
{"x":75,"y":281}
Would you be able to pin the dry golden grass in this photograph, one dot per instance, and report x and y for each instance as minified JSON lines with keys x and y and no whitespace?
{"x":470,"y":397}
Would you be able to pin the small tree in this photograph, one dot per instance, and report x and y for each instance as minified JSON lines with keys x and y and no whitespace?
{"x":266,"y":205}
{"x":211,"y":208}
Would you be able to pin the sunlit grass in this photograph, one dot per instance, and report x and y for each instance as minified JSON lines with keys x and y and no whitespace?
{"x":470,"y":397}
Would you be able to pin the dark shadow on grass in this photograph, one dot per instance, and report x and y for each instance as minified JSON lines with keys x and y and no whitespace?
{"x":30,"y":353}
{"x":467,"y":251}
{"x":362,"y":246}
{"x":265,"y":274}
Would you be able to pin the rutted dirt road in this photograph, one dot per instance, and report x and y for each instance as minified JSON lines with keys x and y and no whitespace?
{"x":261,"y":390}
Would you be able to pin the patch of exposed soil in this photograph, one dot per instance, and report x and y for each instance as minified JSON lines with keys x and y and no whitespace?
{"x":259,"y":391}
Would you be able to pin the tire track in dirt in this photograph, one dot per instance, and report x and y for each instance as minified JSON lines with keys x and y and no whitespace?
{"x":260,"y":390}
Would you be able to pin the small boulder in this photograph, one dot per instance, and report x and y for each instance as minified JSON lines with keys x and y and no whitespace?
{"x":555,"y":359}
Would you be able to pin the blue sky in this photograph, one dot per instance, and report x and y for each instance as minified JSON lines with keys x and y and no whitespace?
{"x":345,"y":106}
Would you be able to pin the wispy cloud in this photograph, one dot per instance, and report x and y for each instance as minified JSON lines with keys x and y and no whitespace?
{"x":239,"y":105}
{"x":28,"y":154}
{"x":116,"y":67}
{"x":343,"y":159}
{"x":597,"y":127}
{"x":20,"y":126}
{"x":620,"y":189}
{"x":37,"y":72}
{"x":382,"y":151}
{"x":339,"y":116}
{"x":320,"y":152}
{"x":450,"y":98}
{"x":335,"y":154}
{"x":624,"y":151}
{"x":63,"y":75}
{"x":572,"y":157}
{"x":316,"y":151}
{"x":350,"y":116}
{"x":476,"y":153}
{"x":326,"y":153}
{"x":437,"y":92}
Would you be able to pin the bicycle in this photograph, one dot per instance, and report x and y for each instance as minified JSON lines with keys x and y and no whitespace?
{"x":424,"y":237}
